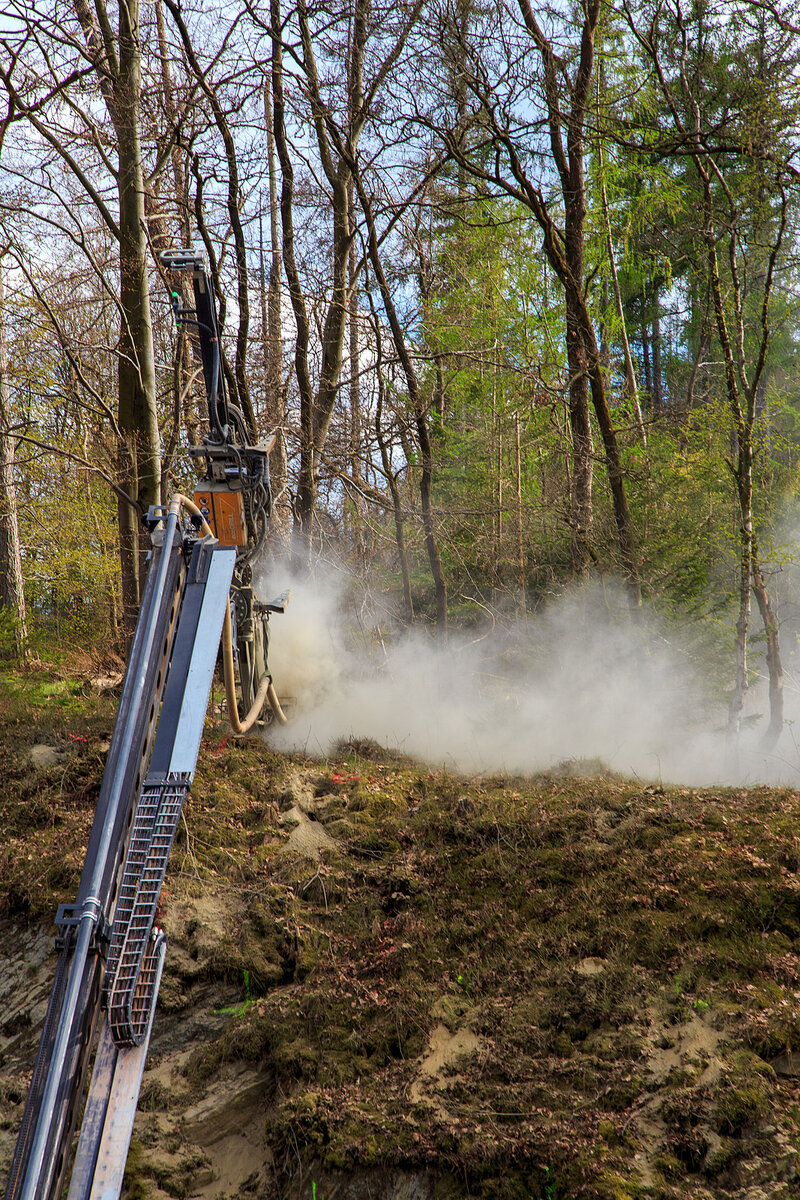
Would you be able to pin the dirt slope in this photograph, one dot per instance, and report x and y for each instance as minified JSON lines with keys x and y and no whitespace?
{"x":387,"y":980}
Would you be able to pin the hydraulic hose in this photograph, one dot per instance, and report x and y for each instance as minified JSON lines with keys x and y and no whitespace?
{"x":213,"y":404}
{"x":266,"y":690}
{"x":184,"y":502}
{"x":274,"y":703}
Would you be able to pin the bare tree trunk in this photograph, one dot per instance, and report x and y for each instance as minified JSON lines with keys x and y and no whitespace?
{"x":520,"y":553}
{"x":354,"y":433}
{"x":397,"y":516}
{"x":605,"y":345}
{"x":567,"y":259}
{"x":119,"y":74}
{"x":316,"y":407}
{"x":497,"y":431}
{"x":338,"y":172}
{"x":744,"y":487}
{"x":188,"y":403}
{"x":391,"y":479}
{"x":774,"y":664}
{"x":646,"y":362}
{"x":702,"y":350}
{"x":336,"y":144}
{"x":12,"y":594}
{"x":280,"y":528}
{"x":658,"y":383}
{"x":140,"y":458}
{"x":566,"y":100}
{"x":582,"y":449}
{"x":301,"y":545}
{"x":178,"y":166}
{"x":630,"y":374}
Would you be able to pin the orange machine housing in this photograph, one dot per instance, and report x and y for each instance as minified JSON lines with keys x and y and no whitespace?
{"x":224,"y":511}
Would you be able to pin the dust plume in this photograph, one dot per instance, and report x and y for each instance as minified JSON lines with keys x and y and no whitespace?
{"x":577,"y":683}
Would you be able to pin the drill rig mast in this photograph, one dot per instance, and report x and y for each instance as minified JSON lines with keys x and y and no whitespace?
{"x":199,"y":588}
{"x":234,"y":494}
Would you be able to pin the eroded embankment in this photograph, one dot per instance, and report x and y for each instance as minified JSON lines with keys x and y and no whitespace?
{"x":389,"y":980}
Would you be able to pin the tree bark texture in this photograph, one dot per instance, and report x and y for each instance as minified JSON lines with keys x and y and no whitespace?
{"x":280,"y":528}
{"x":337,"y":167}
{"x":301,"y":544}
{"x":138,"y":418}
{"x":119,"y":72}
{"x":391,"y":478}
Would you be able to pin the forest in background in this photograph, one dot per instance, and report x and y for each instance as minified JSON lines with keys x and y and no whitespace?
{"x":516,"y":287}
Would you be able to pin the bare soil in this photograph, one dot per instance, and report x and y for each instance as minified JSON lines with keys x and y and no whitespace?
{"x":388,"y":980}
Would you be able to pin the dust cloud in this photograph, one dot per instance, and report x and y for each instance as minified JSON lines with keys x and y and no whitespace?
{"x":577,"y":684}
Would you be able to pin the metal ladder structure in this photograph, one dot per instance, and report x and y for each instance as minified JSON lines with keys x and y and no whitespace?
{"x":111,"y":950}
{"x":129,"y":966}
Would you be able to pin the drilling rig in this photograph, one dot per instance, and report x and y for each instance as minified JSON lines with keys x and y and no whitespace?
{"x":198,"y":597}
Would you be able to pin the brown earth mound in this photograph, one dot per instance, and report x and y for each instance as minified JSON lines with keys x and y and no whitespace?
{"x":387,"y":980}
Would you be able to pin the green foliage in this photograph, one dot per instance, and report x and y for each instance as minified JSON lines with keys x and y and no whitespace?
{"x":70,"y":564}
{"x":683,"y":502}
{"x":493,"y":325}
{"x":9,"y":635}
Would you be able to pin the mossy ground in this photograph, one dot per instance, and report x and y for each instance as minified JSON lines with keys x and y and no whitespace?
{"x":553,"y":987}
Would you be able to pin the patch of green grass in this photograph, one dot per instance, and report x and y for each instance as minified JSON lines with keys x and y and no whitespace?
{"x":46,"y":812}
{"x":745,"y":1094}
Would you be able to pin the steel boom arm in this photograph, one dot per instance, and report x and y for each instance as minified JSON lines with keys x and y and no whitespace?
{"x":111,"y":953}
